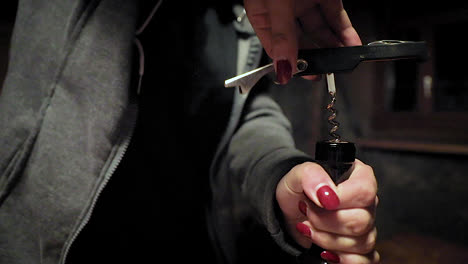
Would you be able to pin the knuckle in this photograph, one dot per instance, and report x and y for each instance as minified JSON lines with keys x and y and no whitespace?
{"x":298,"y":169}
{"x":280,"y":38}
{"x":366,"y":195}
{"x":260,"y":21}
{"x":306,"y":168}
{"x":370,"y":242}
{"x":370,"y":171}
{"x":360,"y":225}
{"x":301,"y":168}
{"x":376,"y":257}
{"x":323,"y":240}
{"x":366,"y":169}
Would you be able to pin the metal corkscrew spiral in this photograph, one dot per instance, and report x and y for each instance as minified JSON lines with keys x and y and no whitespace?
{"x":331,"y":118}
{"x":336,"y":157}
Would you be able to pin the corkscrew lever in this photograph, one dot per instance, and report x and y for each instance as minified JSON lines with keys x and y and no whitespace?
{"x":247,"y":80}
{"x":335,"y":60}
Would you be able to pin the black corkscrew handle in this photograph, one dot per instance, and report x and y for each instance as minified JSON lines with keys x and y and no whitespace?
{"x":337,"y":158}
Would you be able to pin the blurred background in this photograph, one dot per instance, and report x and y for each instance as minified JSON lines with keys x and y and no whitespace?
{"x":409,"y":122}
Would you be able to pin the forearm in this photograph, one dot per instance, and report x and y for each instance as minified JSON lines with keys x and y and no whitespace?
{"x":260,"y":153}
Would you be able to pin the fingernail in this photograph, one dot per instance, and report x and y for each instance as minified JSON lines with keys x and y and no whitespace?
{"x":304,"y":229}
{"x":303,"y":207}
{"x":328,"y":198}
{"x":283,"y":71}
{"x":331,"y":257}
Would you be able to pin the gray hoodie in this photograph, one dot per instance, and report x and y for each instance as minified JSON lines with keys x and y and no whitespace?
{"x":66,"y":121}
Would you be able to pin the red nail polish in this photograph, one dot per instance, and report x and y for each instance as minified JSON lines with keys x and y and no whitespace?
{"x":328,"y":198}
{"x":283,"y":71}
{"x":331,"y":257}
{"x":303,"y":207}
{"x":304,"y":229}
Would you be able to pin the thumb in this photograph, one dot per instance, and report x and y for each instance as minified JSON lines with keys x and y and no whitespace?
{"x":283,"y":38}
{"x":275,"y":24}
{"x":307,"y":181}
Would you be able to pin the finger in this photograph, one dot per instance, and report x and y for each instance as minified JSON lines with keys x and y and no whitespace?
{"x":337,"y":17}
{"x":360,"y":190}
{"x":370,"y":258}
{"x":283,"y":38}
{"x":316,"y":30}
{"x":349,"y":222}
{"x":350,"y":244}
{"x":312,"y":77}
{"x":291,"y":200}
{"x":290,"y":193}
{"x":305,"y":42}
{"x":346,"y":258}
{"x":259,"y":18}
{"x":312,"y":179}
{"x":337,"y":243}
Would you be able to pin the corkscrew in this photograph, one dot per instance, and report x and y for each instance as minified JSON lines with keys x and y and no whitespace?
{"x":335,"y":155}
{"x":335,"y":60}
{"x":331,"y":108}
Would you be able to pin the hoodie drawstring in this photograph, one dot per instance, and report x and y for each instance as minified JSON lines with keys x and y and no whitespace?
{"x":141,"y":52}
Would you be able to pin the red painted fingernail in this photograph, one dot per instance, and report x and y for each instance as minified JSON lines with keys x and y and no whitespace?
{"x":304,"y":229}
{"x":331,"y":257}
{"x":328,"y":198}
{"x":303,"y":207}
{"x":283,"y":71}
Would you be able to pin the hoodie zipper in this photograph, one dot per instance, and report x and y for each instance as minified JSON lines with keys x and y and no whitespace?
{"x":118,"y":153}
{"x":124,"y":140}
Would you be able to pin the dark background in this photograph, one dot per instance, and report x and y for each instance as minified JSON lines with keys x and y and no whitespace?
{"x":413,"y":134}
{"x":408,"y":120}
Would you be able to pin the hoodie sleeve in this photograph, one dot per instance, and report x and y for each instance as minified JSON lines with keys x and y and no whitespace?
{"x":260,"y":152}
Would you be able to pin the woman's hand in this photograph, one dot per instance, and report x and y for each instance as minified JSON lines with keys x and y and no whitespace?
{"x":284,"y":26}
{"x":339,"y":219}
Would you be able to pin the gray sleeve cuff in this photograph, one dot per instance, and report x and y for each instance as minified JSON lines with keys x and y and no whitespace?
{"x":271,"y":169}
